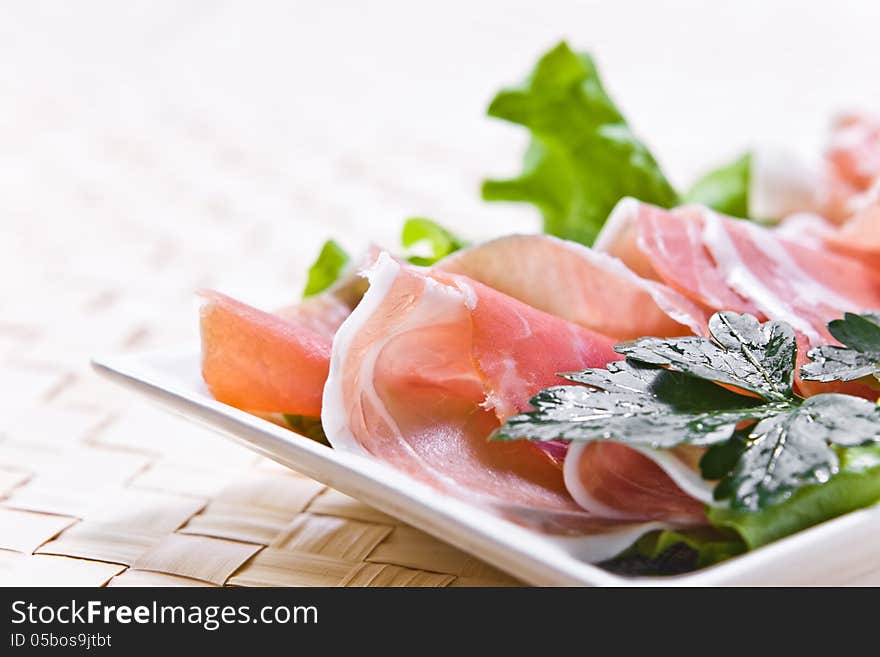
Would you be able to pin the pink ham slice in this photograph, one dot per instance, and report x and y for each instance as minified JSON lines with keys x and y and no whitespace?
{"x":854,"y":150}
{"x":803,"y":286}
{"x":600,"y":292}
{"x":792,"y":282}
{"x":669,"y":247}
{"x":615,"y":481}
{"x":275,"y":362}
{"x":258,"y":361}
{"x":728,"y":264}
{"x":423,"y":368}
{"x":859,"y":237}
{"x":324,"y":313}
{"x":428,"y":365}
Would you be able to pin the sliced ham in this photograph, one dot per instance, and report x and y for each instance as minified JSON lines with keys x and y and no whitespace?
{"x":669,"y":247}
{"x":258,"y":361}
{"x":431,"y":362}
{"x":788,"y":281}
{"x":730,"y":264}
{"x":601,"y":293}
{"x":805,"y":287}
{"x":424,"y":368}
{"x":859,"y":237}
{"x":276,"y":362}
{"x":615,"y":481}
{"x":854,"y":150}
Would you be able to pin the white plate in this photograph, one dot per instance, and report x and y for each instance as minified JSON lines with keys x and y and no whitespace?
{"x":840,"y":551}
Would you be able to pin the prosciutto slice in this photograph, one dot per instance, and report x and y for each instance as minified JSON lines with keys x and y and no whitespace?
{"x":859,"y":237}
{"x":431,"y":362}
{"x":854,"y":150}
{"x":615,"y":481}
{"x":424,"y":368}
{"x":258,"y":361}
{"x":601,"y":293}
{"x":276,"y":362}
{"x":670,"y":247}
{"x":803,"y":286}
{"x":729,"y":264}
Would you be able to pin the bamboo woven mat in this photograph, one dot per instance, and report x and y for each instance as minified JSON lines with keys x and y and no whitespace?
{"x":99,"y":491}
{"x":153,"y":147}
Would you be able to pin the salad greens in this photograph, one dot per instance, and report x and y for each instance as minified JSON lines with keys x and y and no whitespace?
{"x":440,"y":242}
{"x":309,"y":427}
{"x":418,"y":236}
{"x":780,"y":462}
{"x":726,"y":188}
{"x":583,"y":156}
{"x":858,"y":358}
{"x":676,"y":551}
{"x":582,"y":159}
{"x":331,"y":262}
{"x":855,"y":486}
{"x":666,"y":394}
{"x":709,"y":544}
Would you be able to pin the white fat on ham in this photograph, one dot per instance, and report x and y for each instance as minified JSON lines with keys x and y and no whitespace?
{"x":773,"y":275}
{"x":805,"y":228}
{"x":741,"y":278}
{"x":684,"y":471}
{"x":411,"y":371}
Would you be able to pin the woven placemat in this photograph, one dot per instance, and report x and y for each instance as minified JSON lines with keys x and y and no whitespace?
{"x":94,"y":496}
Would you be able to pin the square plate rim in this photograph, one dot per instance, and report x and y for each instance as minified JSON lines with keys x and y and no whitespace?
{"x":501,"y":543}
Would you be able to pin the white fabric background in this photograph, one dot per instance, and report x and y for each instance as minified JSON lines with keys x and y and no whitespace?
{"x":227,"y":129}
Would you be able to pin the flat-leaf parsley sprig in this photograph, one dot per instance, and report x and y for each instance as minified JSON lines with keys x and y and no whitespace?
{"x":667,"y":393}
{"x":858,"y":358}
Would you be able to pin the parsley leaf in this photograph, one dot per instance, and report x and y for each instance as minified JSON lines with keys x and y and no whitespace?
{"x":858,"y":358}
{"x":439,"y":241}
{"x":583,"y":156}
{"x":743,"y":353}
{"x":790,"y":450}
{"x":326,"y":269}
{"x":666,"y":394}
{"x":635,"y":404}
{"x":855,"y":486}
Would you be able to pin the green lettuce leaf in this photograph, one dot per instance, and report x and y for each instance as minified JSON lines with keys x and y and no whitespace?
{"x":725,"y":189}
{"x":583,"y":156}
{"x":307,"y":426}
{"x":437,"y":240}
{"x":326,"y":269}
{"x":670,"y":552}
{"x":710,"y":544}
{"x":855,"y":486}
